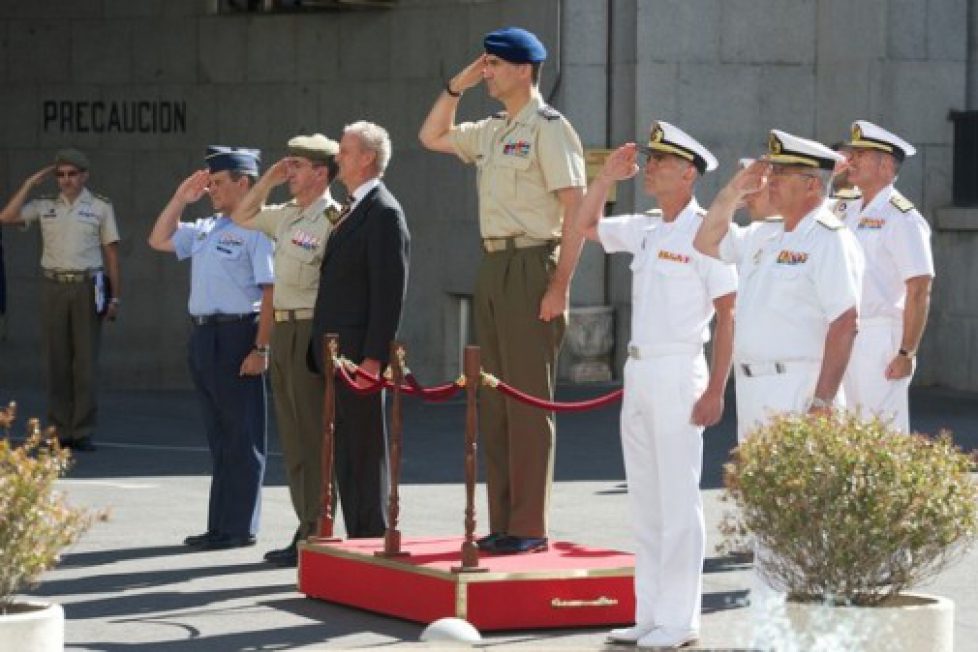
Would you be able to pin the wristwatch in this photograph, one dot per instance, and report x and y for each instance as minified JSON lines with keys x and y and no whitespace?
{"x":263,"y":351}
{"x":907,"y":354}
{"x":820,"y":403}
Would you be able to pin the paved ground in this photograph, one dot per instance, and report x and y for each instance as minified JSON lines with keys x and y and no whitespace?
{"x":130,"y":584}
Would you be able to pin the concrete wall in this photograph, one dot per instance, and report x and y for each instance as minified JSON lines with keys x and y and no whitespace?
{"x":726,"y":70}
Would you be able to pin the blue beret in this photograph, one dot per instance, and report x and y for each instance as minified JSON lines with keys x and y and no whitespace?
{"x":515,"y":45}
{"x":237,"y":159}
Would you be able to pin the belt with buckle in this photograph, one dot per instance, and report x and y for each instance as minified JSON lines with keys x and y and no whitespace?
{"x":67,"y":277}
{"x":220,"y":318}
{"x":493,"y":245}
{"x":755,"y":369}
{"x":299,"y":314}
{"x":646,"y":351}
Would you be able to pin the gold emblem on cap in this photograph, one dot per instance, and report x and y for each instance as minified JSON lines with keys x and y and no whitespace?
{"x":657,"y":134}
{"x":773,"y":144}
{"x":857,"y":133}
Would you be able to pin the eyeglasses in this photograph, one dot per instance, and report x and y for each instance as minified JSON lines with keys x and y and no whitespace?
{"x":67,"y":174}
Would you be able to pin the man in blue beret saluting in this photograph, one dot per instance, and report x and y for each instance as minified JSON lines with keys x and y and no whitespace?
{"x":231,"y":311}
{"x":531,"y":175}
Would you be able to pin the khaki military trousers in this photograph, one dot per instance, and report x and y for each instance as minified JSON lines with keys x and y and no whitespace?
{"x":299,"y":415}
{"x":70,"y":334}
{"x":518,"y":440}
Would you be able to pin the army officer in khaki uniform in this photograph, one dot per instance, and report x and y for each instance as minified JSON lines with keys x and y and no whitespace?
{"x":299,"y":229}
{"x":530,"y":175}
{"x":80,"y":238}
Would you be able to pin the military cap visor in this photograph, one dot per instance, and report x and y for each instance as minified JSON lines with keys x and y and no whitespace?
{"x":235,"y":159}
{"x":71,"y":157}
{"x":866,"y":135}
{"x":515,"y":45}
{"x":670,"y":139}
{"x":788,"y":149}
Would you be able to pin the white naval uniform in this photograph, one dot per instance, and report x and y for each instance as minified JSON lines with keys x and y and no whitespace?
{"x":895,"y":240}
{"x":673,"y":288}
{"x":792,"y":286}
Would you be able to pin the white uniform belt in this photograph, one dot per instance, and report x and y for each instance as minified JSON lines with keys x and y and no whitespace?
{"x":492,"y":245}
{"x":772,"y":367}
{"x":298,"y":314}
{"x":646,"y":351}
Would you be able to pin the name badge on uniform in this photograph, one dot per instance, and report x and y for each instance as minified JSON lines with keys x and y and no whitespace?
{"x":787,"y":257}
{"x":871,"y":223}
{"x":50,"y":213}
{"x":231,"y":240}
{"x":673,"y":256}
{"x":305,"y":240}
{"x":519,"y":148}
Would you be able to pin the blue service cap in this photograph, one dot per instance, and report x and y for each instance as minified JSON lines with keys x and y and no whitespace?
{"x":515,"y":45}
{"x":237,"y":159}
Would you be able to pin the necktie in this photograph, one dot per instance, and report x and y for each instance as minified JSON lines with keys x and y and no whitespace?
{"x":347,"y":207}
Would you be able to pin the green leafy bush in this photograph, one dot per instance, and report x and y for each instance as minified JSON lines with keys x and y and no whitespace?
{"x":850,"y":512}
{"x":35,"y":521}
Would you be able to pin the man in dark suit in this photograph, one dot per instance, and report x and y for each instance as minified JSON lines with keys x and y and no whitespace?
{"x":362,"y":282}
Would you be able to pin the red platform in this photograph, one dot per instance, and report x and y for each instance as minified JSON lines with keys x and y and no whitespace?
{"x":568,"y":586}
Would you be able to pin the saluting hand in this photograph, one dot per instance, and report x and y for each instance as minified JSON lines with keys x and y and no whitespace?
{"x":749,"y":180}
{"x":38,"y":177}
{"x":470,"y":76}
{"x":193,"y":187}
{"x":279,"y":172}
{"x":620,"y":164}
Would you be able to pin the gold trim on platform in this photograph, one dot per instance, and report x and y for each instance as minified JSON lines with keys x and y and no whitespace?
{"x":603,"y":601}
{"x":467,"y":578}
{"x":462,"y":601}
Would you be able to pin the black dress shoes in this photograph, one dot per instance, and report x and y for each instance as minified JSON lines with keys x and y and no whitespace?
{"x":199,"y":539}
{"x":520,"y":545}
{"x":488,"y":543}
{"x":224,"y":542}
{"x":272,"y":556}
{"x":288,"y":557}
{"x":84,"y":444}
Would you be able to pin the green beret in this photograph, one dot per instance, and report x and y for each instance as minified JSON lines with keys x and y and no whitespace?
{"x":71,"y":157}
{"x":316,"y":147}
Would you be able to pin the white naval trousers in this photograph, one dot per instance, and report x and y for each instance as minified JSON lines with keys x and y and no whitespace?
{"x":867,"y":389}
{"x":663,"y":455}
{"x":763,"y":391}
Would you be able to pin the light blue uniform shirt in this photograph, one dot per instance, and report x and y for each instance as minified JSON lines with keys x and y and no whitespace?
{"x":228,"y":264}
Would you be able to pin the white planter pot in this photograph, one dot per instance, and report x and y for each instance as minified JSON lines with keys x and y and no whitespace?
{"x":33,"y":627}
{"x":907,"y":623}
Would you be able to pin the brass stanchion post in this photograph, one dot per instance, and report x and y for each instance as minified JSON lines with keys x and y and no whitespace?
{"x":324,"y":528}
{"x":470,"y":552}
{"x":392,"y":536}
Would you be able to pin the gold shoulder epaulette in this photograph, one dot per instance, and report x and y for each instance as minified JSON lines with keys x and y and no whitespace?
{"x":901,"y":203}
{"x":847,"y":193}
{"x":102,"y":197}
{"x":829,"y":221}
{"x":547,"y":112}
{"x":654,"y":212}
{"x":501,"y":115}
{"x":47,"y":197}
{"x":774,"y":218}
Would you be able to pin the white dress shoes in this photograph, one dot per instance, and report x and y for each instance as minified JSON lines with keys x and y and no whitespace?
{"x":665,"y":639}
{"x":630,"y":635}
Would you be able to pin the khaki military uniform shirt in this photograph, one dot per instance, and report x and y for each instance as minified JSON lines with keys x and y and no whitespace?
{"x":72,"y":234}
{"x":300,"y":239}
{"x":522,"y":162}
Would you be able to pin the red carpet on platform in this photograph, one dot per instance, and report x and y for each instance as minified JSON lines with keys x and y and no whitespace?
{"x":567,"y":586}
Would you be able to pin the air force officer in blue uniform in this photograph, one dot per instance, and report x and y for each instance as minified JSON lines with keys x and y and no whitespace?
{"x":230,"y":309}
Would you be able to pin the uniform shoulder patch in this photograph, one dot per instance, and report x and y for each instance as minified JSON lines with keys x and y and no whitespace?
{"x":847,"y":193}
{"x":547,"y":112}
{"x":829,"y":221}
{"x":102,"y":197}
{"x":774,"y":219}
{"x":654,"y":212}
{"x":901,"y":203}
{"x":499,"y":115}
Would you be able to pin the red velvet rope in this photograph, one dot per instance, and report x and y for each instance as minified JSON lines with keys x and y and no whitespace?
{"x":376,"y":385}
{"x":557,"y":406}
{"x":411,"y":388}
{"x":437,"y":393}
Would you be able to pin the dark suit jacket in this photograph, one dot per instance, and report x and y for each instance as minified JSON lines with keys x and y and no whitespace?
{"x":363,"y":280}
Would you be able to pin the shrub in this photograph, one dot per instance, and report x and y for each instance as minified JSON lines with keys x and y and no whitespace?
{"x":851,"y":512}
{"x":35,"y":521}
